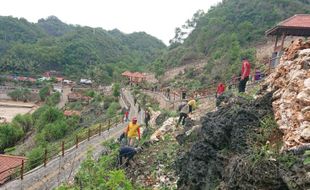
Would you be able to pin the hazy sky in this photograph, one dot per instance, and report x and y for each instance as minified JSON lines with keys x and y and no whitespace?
{"x":156,"y":17}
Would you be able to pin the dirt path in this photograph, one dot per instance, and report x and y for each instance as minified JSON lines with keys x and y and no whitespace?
{"x":171,"y":73}
{"x":64,"y":97}
{"x":62,"y":169}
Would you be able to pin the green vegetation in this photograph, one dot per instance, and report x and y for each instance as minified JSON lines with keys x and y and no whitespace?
{"x":76,"y":51}
{"x":102,"y":174}
{"x":53,"y":99}
{"x":9,"y":135}
{"x":225,"y":34}
{"x":116,"y":89}
{"x":20,"y":94}
{"x":44,"y":92}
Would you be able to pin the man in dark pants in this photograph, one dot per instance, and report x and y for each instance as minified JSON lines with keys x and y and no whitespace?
{"x":126,"y":155}
{"x":147,"y":118}
{"x":245,"y":73}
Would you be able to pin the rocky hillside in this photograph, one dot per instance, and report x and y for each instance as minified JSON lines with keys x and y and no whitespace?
{"x":291,"y":99}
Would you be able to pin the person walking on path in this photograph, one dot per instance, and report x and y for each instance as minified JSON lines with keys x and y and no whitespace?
{"x":126,"y":115}
{"x":245,"y":73}
{"x":133,"y":131}
{"x":139,"y":108}
{"x":185,"y":110}
{"x":147,"y":118}
{"x":134,"y":100}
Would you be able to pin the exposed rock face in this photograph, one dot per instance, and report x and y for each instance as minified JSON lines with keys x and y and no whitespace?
{"x":291,"y":100}
{"x":230,"y":129}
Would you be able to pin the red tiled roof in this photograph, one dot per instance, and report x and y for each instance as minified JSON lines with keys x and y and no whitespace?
{"x":298,"y":25}
{"x":301,"y":20}
{"x":7,"y":165}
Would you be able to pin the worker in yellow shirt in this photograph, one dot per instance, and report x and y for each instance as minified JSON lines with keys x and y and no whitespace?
{"x":133,"y":131}
{"x":185,"y":110}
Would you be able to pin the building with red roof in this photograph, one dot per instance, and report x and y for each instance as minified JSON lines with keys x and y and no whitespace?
{"x":297,"y":25}
{"x":135,"y":77}
{"x":8,"y":165}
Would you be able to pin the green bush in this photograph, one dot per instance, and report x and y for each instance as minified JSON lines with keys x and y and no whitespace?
{"x":49,"y":115}
{"x":9,"y":135}
{"x":112,"y":110}
{"x":24,"y":122}
{"x":54,"y":99}
{"x":116,"y":89}
{"x":44,"y":92}
{"x":90,"y":93}
{"x":101,"y":175}
{"x":35,"y":157}
{"x":55,"y":131}
{"x":20,"y":94}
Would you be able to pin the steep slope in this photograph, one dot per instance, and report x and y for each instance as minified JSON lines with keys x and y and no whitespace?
{"x":227,"y":31}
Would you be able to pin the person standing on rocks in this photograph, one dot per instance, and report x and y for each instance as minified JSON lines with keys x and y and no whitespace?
{"x":133,"y":131}
{"x":245,"y":73}
{"x":220,"y":90}
{"x":185,"y":110}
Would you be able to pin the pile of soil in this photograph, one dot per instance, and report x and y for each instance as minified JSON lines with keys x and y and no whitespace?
{"x":217,"y":157}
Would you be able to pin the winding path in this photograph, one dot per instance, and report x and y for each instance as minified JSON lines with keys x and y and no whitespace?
{"x":62,"y":169}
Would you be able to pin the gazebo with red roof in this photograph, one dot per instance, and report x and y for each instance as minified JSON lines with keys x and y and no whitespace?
{"x":297,"y":25}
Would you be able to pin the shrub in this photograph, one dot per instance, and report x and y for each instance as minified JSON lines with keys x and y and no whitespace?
{"x":35,"y":157}
{"x":48,"y":116}
{"x":24,"y":122}
{"x":9,"y":135}
{"x":116,"y":89}
{"x":55,"y":131}
{"x":20,"y":94}
{"x":53,"y":99}
{"x":44,"y":92}
{"x":112,"y":110}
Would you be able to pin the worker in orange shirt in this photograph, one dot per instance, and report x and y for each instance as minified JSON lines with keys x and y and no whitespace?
{"x":133,"y":131}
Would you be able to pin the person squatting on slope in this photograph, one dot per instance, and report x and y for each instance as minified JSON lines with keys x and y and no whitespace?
{"x":133,"y":131}
{"x":126,"y":155}
{"x":245,"y":73}
{"x":186,"y":109}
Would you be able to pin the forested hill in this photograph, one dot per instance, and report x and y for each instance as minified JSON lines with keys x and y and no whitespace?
{"x":29,"y":49}
{"x":227,"y":32}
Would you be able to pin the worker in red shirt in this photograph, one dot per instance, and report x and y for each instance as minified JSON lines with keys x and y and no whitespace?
{"x":220,"y":89}
{"x":245,"y":73}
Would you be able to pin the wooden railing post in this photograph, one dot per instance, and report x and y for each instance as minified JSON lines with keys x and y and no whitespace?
{"x":45,"y":157}
{"x":22,"y":170}
{"x":88,"y":136}
{"x":109,"y":124}
{"x":63,"y":148}
{"x":100,"y":129}
{"x":76,"y":141}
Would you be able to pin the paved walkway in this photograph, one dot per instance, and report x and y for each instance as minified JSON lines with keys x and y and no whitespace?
{"x":62,"y":169}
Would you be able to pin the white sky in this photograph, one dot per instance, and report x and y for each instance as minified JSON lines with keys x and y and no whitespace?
{"x":156,"y":17}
